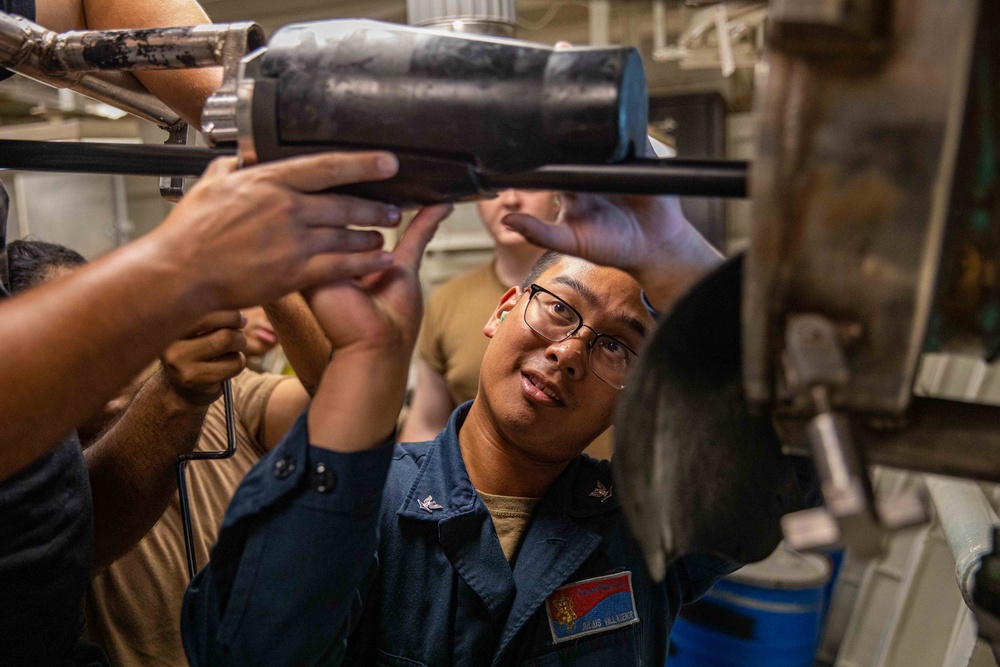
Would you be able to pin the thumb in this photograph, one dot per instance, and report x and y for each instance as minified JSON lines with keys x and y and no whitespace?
{"x":410,"y":249}
{"x":554,"y":237}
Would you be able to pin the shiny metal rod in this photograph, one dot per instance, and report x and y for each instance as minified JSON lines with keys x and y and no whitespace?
{"x":100,"y":158}
{"x":25,"y":49}
{"x":691,"y":178}
{"x":153,"y":48}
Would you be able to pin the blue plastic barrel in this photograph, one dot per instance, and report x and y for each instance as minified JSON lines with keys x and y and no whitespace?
{"x":768,"y":614}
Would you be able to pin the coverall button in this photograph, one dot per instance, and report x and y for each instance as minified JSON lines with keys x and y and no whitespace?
{"x":284,"y":467}
{"x":324,"y":479}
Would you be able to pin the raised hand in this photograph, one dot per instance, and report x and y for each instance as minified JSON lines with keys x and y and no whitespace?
{"x":196,"y":366}
{"x":382,"y":310}
{"x":251,"y":235}
{"x":372,"y":323}
{"x":648,"y":237}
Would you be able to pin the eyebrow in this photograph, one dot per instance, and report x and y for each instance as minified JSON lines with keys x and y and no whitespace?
{"x":633,"y":324}
{"x":579,"y":288}
{"x":592,"y":298}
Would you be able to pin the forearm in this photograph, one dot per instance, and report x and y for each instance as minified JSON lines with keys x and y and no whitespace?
{"x":358,"y":400}
{"x":431,"y":405}
{"x":183,"y":90}
{"x":132,"y":467}
{"x":67,"y":347}
{"x":306,"y":346}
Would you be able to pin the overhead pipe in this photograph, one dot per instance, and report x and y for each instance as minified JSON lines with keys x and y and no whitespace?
{"x":152,"y":48}
{"x":25,"y":49}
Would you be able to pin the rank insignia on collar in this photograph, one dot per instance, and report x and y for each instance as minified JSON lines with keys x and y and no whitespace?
{"x":591,"y":606}
{"x":601,"y":491}
{"x":428,"y":504}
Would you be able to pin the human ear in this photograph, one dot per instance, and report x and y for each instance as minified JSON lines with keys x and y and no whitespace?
{"x":507,"y":303}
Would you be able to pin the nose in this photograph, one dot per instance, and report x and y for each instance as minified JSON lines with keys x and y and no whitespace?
{"x":511,"y":199}
{"x":570,"y":356}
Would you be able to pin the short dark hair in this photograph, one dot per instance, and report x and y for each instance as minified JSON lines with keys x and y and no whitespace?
{"x":30,"y":261}
{"x":544,"y":263}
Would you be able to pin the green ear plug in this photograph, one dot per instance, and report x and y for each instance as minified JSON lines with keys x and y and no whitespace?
{"x":502,"y":315}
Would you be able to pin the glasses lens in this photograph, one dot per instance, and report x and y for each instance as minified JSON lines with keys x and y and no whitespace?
{"x":550,"y":317}
{"x":610,"y":361}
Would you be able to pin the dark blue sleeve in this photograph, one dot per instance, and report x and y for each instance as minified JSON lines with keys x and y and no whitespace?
{"x":25,"y":8}
{"x":698,"y":573}
{"x":287,"y":577}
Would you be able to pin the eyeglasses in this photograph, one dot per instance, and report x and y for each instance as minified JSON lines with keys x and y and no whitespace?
{"x":553,"y":319}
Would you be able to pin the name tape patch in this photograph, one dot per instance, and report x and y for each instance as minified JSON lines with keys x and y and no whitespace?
{"x":590,"y":606}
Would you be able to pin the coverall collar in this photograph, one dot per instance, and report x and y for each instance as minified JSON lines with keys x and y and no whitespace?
{"x":583,"y":489}
{"x":556,"y":544}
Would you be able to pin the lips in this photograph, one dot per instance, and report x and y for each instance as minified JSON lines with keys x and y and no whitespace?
{"x":266,"y":335}
{"x":541,"y":390}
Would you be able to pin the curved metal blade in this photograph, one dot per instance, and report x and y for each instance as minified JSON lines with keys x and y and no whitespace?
{"x":697,"y":471}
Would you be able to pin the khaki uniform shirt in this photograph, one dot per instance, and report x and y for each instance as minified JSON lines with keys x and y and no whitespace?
{"x":133,"y":608}
{"x":451,"y":338}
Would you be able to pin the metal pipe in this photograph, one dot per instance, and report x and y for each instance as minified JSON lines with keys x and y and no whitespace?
{"x":100,"y":158}
{"x":24,"y":48}
{"x":120,"y":90}
{"x":153,"y":48}
{"x":680,"y":177}
{"x":968,"y":520}
{"x":690,"y":178}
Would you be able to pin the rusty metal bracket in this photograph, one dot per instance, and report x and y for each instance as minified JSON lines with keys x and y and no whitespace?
{"x":816,"y":368}
{"x":172,"y":187}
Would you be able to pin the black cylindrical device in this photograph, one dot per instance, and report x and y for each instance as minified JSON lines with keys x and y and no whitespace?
{"x":485,"y":102}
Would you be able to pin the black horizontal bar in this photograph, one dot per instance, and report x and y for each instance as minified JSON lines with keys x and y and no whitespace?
{"x":692,"y":178}
{"x":103,"y":158}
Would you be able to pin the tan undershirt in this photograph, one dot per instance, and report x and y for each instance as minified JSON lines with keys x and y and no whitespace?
{"x":511,"y":516}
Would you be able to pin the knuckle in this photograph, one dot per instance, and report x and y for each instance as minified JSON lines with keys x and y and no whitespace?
{"x":250,"y":185}
{"x":285,"y":205}
{"x":234,"y":339}
{"x":186,"y":376}
{"x":336,"y":166}
{"x":220,"y":340}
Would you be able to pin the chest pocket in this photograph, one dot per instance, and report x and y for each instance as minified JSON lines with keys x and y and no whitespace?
{"x":617,"y":647}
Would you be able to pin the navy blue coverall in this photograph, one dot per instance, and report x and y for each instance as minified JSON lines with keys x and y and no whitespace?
{"x":389,"y":557}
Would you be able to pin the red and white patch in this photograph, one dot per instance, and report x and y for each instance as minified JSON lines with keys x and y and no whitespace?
{"x":591,"y":606}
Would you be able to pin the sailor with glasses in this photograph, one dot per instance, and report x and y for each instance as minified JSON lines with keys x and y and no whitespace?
{"x":496,"y":543}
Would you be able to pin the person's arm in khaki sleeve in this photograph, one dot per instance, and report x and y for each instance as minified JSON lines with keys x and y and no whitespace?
{"x":431,"y":404}
{"x":131,"y":467}
{"x":308,"y":351}
{"x":185,"y":90}
{"x":305,"y":345}
{"x":431,"y":407}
